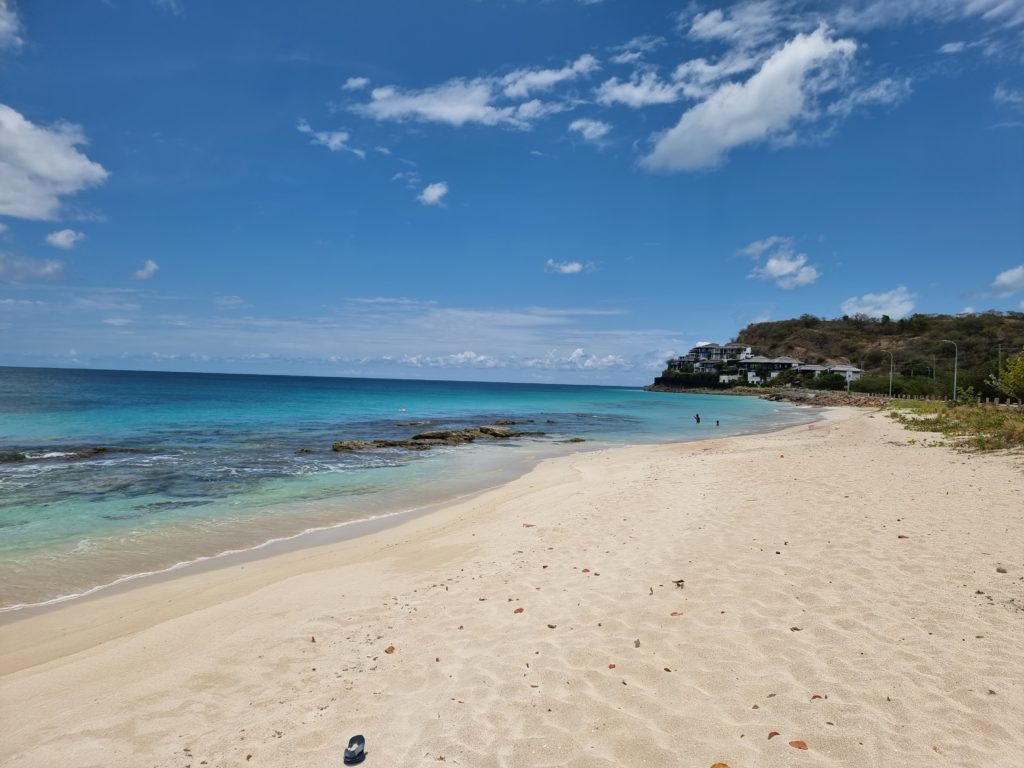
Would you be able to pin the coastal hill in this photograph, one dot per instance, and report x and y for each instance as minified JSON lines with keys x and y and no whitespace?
{"x":917,"y":342}
{"x":922,"y":358}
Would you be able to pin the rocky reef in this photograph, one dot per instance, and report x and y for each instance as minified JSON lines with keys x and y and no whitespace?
{"x":424,"y":441}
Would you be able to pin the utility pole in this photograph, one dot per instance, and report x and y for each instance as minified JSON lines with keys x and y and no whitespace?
{"x":956,"y":359}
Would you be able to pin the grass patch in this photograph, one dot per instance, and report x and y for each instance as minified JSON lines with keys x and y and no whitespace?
{"x":982,"y":427}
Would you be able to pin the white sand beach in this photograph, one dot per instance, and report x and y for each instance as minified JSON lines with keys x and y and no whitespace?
{"x":847,"y":595}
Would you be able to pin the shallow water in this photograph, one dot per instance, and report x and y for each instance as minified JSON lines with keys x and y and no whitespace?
{"x":104,"y":474}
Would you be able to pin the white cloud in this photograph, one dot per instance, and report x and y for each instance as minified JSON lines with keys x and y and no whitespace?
{"x":591,"y":130}
{"x":467,"y":359}
{"x":16,"y":268}
{"x":20,"y":303}
{"x":567,"y":267}
{"x":174,"y":6}
{"x":634,"y":50}
{"x":355,"y":83}
{"x":886,"y":91}
{"x":530,"y":111}
{"x":745,"y":24}
{"x":1010,"y":281}
{"x":149,"y":269}
{"x":333,"y":140}
{"x":455,"y":102}
{"x":433,"y":194}
{"x":522,"y":82}
{"x":488,"y":100}
{"x":758,"y":248}
{"x":765,"y":106}
{"x":10,"y":27}
{"x":117,"y":322}
{"x":870,"y":14}
{"x":411,"y":179}
{"x":65,"y":238}
{"x":781,"y":265}
{"x":641,"y":90}
{"x":229,"y":302}
{"x":698,"y":78}
{"x":897,"y":303}
{"x":1008,"y":97}
{"x":40,"y":165}
{"x":954,"y":47}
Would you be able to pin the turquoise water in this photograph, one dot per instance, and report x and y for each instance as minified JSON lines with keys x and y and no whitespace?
{"x":106,"y":474}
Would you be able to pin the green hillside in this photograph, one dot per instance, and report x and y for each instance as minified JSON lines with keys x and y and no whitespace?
{"x":923,"y":361}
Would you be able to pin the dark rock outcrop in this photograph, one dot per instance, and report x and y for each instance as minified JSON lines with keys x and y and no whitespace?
{"x":435,"y":438}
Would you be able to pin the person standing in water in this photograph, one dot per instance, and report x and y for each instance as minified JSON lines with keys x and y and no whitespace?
{"x":696,"y":417}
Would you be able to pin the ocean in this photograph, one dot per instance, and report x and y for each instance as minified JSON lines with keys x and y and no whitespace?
{"x":108,"y":475}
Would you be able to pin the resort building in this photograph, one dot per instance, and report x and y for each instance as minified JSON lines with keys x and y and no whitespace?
{"x":735,"y":363}
{"x":705,"y":354}
{"x":759,"y":369}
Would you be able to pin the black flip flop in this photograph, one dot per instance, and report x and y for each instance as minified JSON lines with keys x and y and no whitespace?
{"x":355,"y":752}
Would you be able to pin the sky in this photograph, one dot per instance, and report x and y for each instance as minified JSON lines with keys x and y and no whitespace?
{"x":517,"y":190}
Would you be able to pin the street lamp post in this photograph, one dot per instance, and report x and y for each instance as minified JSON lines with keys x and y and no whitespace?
{"x":956,"y":359}
{"x":891,"y":364}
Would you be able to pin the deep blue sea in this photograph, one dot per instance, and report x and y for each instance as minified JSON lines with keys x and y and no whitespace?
{"x":108,"y":474}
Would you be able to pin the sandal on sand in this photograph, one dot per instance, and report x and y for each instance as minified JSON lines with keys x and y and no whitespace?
{"x":355,"y":752}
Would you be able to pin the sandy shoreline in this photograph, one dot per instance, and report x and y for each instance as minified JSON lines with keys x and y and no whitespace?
{"x":841,"y":589}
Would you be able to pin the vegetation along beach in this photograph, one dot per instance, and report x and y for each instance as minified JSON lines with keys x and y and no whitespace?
{"x":579,"y":383}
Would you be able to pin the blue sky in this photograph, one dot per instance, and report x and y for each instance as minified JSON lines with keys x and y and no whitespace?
{"x":531,"y":190}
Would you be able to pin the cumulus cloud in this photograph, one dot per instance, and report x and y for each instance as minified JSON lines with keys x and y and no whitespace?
{"x":17,"y":268}
{"x":355,"y":83}
{"x":567,"y":267}
{"x":455,"y":102}
{"x":642,"y":90}
{"x":434,"y":194}
{"x":897,"y":303}
{"x":486,"y":100}
{"x":766,"y":106}
{"x":466,"y":359}
{"x":149,"y":268}
{"x":591,"y":130}
{"x":335,"y":141}
{"x":40,"y":165}
{"x":1010,"y":281}
{"x":781,"y":264}
{"x":522,"y":82}
{"x":10,"y":27}
{"x":65,"y":238}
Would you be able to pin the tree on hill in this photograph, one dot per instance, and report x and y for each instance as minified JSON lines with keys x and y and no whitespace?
{"x":1010,"y":380}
